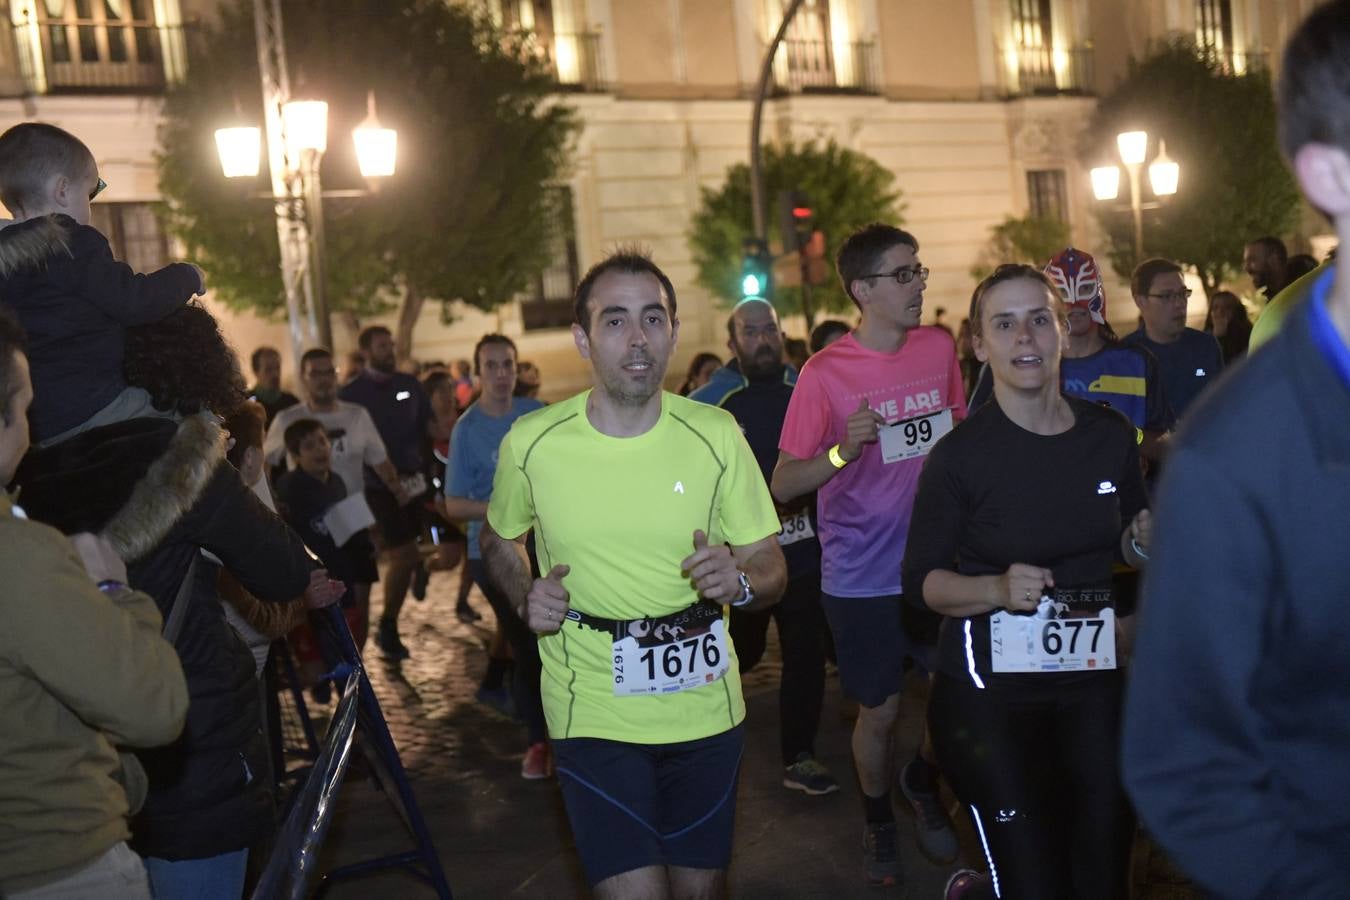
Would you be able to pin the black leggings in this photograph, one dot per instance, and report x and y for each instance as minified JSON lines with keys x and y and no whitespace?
{"x":525,"y":651}
{"x":802,"y":632}
{"x":1037,"y":768}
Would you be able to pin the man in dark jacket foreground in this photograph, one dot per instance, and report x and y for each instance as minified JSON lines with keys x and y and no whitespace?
{"x":1237,"y":732}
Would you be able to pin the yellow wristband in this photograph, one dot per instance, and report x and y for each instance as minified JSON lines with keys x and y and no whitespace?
{"x":836,"y":459}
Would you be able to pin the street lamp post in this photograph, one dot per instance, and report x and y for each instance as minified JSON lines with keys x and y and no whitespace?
{"x":757,"y":117}
{"x":1163,"y":175}
{"x":297,"y":137}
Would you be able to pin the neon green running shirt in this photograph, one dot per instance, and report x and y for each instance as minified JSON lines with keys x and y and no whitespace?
{"x":621,"y":512}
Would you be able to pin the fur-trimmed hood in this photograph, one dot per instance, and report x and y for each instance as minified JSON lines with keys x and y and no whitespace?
{"x":32,"y":243}
{"x":132,"y":481}
{"x":162,"y":491}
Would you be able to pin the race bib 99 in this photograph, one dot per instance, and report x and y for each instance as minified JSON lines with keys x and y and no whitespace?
{"x":909,"y":438}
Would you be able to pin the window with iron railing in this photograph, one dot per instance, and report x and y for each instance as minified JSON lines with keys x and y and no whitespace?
{"x":548,"y":304}
{"x":803,"y":66}
{"x":135,"y":233}
{"x":813,"y":57}
{"x":1214,"y":27}
{"x":1047,"y":195}
{"x":1214,"y":39}
{"x":1033,"y":36}
{"x":575,"y":60}
{"x":1036,"y":63}
{"x":95,"y":45}
{"x":573,"y":56}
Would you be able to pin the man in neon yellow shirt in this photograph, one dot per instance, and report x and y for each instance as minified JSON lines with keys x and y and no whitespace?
{"x":650,"y":512}
{"x":1271,"y":319}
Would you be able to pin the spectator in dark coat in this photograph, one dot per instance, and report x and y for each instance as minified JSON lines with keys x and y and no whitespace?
{"x":161,"y":491}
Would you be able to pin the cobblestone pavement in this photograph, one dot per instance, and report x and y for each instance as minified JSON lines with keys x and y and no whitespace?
{"x":500,"y":836}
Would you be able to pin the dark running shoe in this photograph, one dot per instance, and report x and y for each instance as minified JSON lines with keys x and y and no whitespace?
{"x":466,"y":613}
{"x":386,"y":638}
{"x":809,"y":776}
{"x":965,"y":883}
{"x":881,"y":863}
{"x":932,"y":826}
{"x":421,"y":578}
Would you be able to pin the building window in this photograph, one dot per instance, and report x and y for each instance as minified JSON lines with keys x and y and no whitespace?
{"x":1214,"y":26}
{"x":1214,"y":38}
{"x":810,"y":60}
{"x":548,"y":304}
{"x":817,"y":56}
{"x":1033,"y":35}
{"x":134,"y":232}
{"x":1046,"y":195}
{"x":84,"y":45}
{"x":574,"y":57}
{"x":1035,"y":63}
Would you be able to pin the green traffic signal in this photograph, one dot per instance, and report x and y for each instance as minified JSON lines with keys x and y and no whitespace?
{"x":756,"y":262}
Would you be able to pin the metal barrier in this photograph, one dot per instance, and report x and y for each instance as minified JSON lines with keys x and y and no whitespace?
{"x":360,"y":722}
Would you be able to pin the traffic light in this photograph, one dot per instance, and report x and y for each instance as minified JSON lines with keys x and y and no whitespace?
{"x":796,"y":219}
{"x":756,"y":269}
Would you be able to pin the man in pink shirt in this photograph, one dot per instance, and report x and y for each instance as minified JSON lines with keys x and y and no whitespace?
{"x":865,"y":413}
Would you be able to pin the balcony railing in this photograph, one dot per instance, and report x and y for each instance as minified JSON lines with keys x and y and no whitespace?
{"x":1038,"y":71}
{"x":1236,"y":62}
{"x":83,"y":55}
{"x":574,"y":58}
{"x":824,"y":67}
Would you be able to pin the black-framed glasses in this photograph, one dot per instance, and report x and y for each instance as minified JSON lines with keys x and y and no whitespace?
{"x":903,"y":275}
{"x":98,"y":189}
{"x":1174,"y":296}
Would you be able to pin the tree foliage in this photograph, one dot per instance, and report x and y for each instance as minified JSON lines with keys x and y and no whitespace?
{"x":468,"y":215}
{"x":1221,"y":129}
{"x":847,"y":189}
{"x":1031,"y":240}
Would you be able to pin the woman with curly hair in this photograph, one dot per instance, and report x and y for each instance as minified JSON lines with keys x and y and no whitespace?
{"x":162,"y":491}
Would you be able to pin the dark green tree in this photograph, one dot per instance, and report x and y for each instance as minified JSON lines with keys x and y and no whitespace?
{"x":1220,"y":128}
{"x":847,"y":189}
{"x":468,"y":214}
{"x":1031,"y":240}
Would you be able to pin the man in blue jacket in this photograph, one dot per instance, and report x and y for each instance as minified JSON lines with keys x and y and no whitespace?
{"x":1237,"y":731}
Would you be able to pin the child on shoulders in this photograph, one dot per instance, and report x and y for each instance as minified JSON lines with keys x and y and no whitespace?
{"x":59,"y":277}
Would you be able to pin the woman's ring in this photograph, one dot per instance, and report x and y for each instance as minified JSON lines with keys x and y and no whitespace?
{"x":1028,"y":596}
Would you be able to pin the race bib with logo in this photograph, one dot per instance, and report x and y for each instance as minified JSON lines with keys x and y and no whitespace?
{"x":1052,"y":640}
{"x":414,"y":485}
{"x":657,"y":657}
{"x":909,"y":438}
{"x":794,"y":527}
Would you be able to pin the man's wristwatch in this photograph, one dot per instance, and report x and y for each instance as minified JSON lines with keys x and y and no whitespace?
{"x":747,"y":592}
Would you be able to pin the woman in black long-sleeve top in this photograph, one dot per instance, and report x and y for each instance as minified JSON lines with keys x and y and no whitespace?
{"x":1020,"y":515}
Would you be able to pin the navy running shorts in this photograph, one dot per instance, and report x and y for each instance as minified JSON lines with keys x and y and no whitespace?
{"x":637,"y":805}
{"x":871,"y":643}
